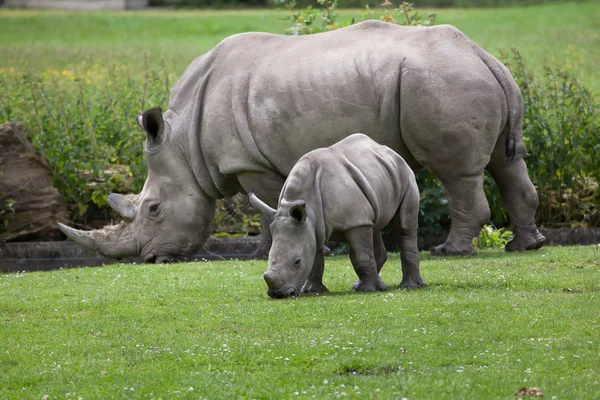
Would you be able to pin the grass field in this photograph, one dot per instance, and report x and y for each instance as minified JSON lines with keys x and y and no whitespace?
{"x":559,"y":35}
{"x":485,"y":327}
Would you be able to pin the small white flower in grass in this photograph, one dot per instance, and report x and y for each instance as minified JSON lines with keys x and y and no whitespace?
{"x":325,"y":381}
{"x":297,"y":394}
{"x":191,"y":389}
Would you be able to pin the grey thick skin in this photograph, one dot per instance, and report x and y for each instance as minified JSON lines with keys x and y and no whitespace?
{"x":353,"y":188}
{"x":242,"y":114}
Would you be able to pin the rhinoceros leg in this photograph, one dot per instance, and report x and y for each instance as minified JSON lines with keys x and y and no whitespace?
{"x":362,"y":256}
{"x":379,"y":250}
{"x":314,"y":283}
{"x":266,"y":240}
{"x":380,"y":254}
{"x":267,"y":186}
{"x":469,"y":211}
{"x":405,"y":224}
{"x":520,"y":201}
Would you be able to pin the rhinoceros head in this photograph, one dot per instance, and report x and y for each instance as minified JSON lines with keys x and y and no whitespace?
{"x":294,"y":245}
{"x":170,"y":219}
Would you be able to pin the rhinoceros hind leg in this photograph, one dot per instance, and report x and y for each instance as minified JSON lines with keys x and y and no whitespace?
{"x":449,"y":249}
{"x":520,"y":200}
{"x":314,"y":283}
{"x":469,"y":211}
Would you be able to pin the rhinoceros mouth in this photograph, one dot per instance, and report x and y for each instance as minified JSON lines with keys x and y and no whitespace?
{"x":285,"y":290}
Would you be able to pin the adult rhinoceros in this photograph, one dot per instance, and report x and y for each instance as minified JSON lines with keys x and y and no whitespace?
{"x":242,"y":115}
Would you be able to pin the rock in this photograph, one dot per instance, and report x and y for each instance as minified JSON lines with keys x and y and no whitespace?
{"x":30,"y":206}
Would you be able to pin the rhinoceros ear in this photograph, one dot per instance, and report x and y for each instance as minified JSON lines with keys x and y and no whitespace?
{"x":298,"y":213}
{"x":152,"y":122}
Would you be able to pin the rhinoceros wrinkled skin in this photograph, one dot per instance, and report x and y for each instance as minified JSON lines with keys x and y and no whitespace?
{"x":353,"y":188}
{"x":242,"y":114}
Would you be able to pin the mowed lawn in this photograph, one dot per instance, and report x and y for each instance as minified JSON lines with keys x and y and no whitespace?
{"x":563,"y":35}
{"x":484,"y":328}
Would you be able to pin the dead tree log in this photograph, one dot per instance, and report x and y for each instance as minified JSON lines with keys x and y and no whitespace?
{"x":30,"y":206}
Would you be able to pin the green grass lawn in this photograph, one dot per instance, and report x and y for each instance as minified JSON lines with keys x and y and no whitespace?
{"x":485,"y":327}
{"x":564,"y":35}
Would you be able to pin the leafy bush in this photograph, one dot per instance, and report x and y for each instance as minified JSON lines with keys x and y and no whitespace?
{"x":490,"y":238}
{"x":561,"y":129}
{"x":84,"y":121}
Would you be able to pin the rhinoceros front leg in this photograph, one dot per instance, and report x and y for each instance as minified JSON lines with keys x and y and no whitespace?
{"x":380,"y":254}
{"x":266,"y":240}
{"x":469,"y":211}
{"x":362,"y":256}
{"x":520,"y":201}
{"x":267,"y":186}
{"x":314,"y":283}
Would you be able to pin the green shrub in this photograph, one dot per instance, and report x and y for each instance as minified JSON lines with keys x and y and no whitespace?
{"x":490,"y":237}
{"x":84,"y":122}
{"x":561,"y":129}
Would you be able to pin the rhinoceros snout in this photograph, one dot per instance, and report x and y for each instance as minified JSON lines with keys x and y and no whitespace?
{"x":279,"y":294}
{"x":271,"y":278}
{"x":277,"y":289}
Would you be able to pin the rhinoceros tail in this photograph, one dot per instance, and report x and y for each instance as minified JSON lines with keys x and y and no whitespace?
{"x":513,"y":128}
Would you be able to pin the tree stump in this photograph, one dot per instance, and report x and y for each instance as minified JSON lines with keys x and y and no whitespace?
{"x":30,"y":206}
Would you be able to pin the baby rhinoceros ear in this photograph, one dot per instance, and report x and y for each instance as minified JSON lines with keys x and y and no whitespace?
{"x":298,"y":212}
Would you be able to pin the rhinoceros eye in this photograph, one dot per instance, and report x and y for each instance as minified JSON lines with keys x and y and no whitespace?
{"x":297,"y":263}
{"x":154,"y":208}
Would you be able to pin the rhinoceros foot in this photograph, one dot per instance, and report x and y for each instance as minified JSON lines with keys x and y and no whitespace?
{"x":370,"y":286}
{"x":527,"y":239}
{"x":449,"y":249}
{"x":410,"y":283}
{"x":314,"y":287}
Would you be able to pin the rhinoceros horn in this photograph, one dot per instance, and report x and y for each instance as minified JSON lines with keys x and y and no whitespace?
{"x":259,"y":205}
{"x":125,"y":205}
{"x":115,"y":241}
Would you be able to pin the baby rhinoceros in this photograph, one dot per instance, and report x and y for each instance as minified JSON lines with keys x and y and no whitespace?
{"x":352,"y":190}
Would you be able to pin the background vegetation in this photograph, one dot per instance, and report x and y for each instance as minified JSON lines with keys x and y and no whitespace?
{"x":348,"y":3}
{"x":79,"y":79}
{"x":486,"y":327}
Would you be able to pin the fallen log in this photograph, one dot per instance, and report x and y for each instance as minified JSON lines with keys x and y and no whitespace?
{"x":30,"y":205}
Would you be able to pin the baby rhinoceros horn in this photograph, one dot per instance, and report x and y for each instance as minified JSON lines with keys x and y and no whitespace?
{"x":260,"y":205}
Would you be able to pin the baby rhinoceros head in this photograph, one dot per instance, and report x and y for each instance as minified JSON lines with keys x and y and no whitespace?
{"x":293,"y":249}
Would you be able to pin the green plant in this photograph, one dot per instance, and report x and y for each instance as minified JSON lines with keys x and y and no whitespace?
{"x":434,"y":216}
{"x":304,"y":20}
{"x":491,"y":237}
{"x":561,"y":130}
{"x":83,"y":120}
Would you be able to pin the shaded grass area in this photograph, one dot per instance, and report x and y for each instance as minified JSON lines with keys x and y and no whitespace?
{"x":485,"y":327}
{"x":558,"y":35}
